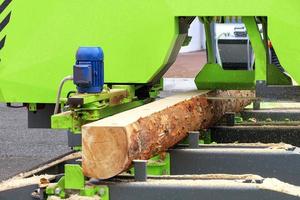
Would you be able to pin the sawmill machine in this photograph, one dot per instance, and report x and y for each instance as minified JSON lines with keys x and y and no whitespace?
{"x":73,"y":62}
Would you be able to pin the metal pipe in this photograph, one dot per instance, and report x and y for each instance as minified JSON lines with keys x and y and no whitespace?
{"x":67,"y":78}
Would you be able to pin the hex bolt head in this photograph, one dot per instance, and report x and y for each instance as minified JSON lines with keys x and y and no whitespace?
{"x":57,"y":190}
{"x":101,"y":192}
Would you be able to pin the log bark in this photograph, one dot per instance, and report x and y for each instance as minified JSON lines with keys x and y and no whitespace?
{"x":111,"y":144}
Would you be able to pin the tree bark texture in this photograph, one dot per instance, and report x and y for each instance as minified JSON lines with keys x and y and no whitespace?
{"x":111,"y":144}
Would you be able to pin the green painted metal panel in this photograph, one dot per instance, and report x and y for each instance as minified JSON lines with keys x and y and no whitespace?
{"x":43,"y":36}
{"x":258,"y":47}
{"x":137,"y":37}
{"x":74,"y":178}
{"x":283,"y":18}
{"x":214,"y":76}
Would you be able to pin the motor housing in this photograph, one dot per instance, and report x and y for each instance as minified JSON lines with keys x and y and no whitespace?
{"x":88,"y":72}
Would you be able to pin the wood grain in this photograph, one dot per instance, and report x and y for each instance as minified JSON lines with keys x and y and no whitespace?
{"x":110,"y":144}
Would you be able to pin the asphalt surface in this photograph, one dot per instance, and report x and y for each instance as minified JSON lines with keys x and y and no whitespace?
{"x":22,"y":148}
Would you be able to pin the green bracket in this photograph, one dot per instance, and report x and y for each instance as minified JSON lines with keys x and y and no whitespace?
{"x":91,"y":191}
{"x":205,"y":138}
{"x":209,"y":44}
{"x":57,"y":189}
{"x":77,"y":148}
{"x":32,"y":107}
{"x":213,"y":76}
{"x":62,"y":120}
{"x":157,"y":165}
{"x":258,"y":46}
{"x":92,"y":110}
{"x":238,"y":119}
{"x":130,"y":90}
{"x":74,"y":178}
{"x":155,"y":90}
{"x":276,"y":77}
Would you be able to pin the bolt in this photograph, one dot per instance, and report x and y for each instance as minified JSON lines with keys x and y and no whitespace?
{"x":57,"y":190}
{"x":238,"y":119}
{"x":101,"y":191}
{"x":268,"y":120}
{"x":260,"y":81}
{"x":253,"y":120}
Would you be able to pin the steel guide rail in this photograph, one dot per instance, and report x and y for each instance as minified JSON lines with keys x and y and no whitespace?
{"x":264,"y":125}
{"x":267,"y":160}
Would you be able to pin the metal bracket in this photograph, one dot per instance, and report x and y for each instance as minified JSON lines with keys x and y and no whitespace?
{"x":74,"y":139}
{"x":193,"y":139}
{"x":265,"y":134}
{"x":140,"y":170}
{"x":277,"y":92}
{"x":230,"y":118}
{"x":278,"y":160}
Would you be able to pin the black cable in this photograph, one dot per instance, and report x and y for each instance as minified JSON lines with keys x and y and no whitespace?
{"x":10,"y":106}
{"x":69,"y":93}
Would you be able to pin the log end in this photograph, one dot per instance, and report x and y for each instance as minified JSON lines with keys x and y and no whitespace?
{"x":104,"y":151}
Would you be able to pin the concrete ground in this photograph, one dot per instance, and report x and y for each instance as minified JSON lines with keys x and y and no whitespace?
{"x":22,"y":148}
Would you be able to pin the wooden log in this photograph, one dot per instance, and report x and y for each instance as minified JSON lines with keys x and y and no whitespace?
{"x":110,"y":145}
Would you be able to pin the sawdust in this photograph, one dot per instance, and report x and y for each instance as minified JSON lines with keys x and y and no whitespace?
{"x":271,"y":184}
{"x":17,"y":182}
{"x":280,"y":145}
{"x":214,"y":177}
{"x":74,"y":197}
{"x":277,"y":105}
{"x":29,"y":178}
{"x":276,"y":185}
{"x":76,"y":155}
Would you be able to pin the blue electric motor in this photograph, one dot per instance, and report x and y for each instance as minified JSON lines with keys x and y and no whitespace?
{"x":88,"y":72}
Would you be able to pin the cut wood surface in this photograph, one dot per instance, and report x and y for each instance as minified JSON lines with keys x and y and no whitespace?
{"x":111,"y":144}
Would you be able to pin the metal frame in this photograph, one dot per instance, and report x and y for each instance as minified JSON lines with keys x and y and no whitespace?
{"x":266,"y":161}
{"x":281,"y":162}
{"x":41,"y":117}
{"x":265,"y":134}
{"x":277,"y":93}
{"x":275,"y":114}
{"x":178,"y":189}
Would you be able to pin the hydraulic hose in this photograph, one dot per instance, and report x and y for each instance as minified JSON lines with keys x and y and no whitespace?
{"x":67,"y":78}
